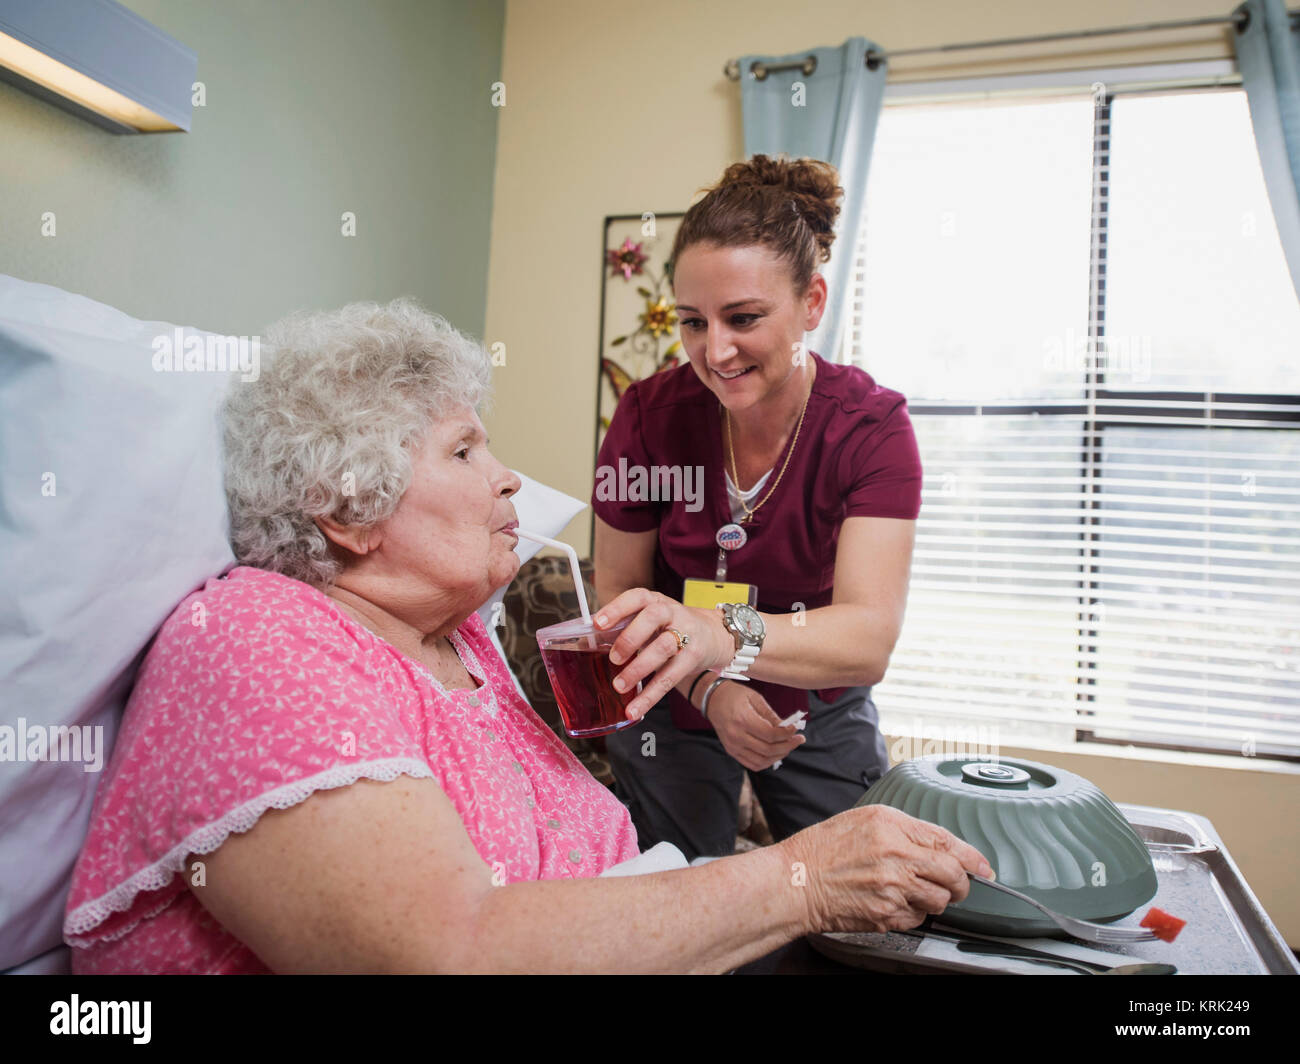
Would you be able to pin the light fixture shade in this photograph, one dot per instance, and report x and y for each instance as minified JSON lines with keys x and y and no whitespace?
{"x":100,"y":61}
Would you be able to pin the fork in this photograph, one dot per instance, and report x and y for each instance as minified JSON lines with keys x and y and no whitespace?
{"x":1082,"y":929}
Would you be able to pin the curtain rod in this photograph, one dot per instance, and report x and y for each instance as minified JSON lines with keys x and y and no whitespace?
{"x":1238,"y":19}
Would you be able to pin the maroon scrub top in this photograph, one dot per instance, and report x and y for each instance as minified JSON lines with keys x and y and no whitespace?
{"x":856,"y":456}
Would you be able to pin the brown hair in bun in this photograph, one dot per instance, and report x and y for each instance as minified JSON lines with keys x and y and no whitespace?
{"x":788,"y":205}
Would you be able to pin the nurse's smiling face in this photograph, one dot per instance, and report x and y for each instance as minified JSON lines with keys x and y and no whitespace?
{"x":741,"y":320}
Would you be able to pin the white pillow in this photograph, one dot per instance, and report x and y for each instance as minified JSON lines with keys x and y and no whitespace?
{"x":112,"y":510}
{"x":542,"y":510}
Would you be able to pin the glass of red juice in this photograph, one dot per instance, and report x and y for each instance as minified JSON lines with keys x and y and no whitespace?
{"x":576,"y":656}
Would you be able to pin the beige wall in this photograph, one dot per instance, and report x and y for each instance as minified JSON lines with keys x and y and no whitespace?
{"x":617,"y":107}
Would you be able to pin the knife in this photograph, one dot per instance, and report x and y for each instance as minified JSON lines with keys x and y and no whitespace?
{"x":988,"y":946}
{"x":994,"y":949}
{"x":990,"y":949}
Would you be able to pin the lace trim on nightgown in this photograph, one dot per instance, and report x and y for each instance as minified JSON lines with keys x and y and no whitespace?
{"x":467,"y":658}
{"x":209,"y":837}
{"x":475,"y":669}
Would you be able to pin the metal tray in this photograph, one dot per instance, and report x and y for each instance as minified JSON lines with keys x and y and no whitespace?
{"x":1227,"y":930}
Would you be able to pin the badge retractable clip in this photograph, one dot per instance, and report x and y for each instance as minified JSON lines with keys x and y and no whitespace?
{"x":730,"y":537}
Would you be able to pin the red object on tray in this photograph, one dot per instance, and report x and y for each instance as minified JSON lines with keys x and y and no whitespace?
{"x":1165,"y":926}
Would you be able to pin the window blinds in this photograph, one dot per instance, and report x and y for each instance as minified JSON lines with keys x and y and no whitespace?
{"x":1104,"y":553}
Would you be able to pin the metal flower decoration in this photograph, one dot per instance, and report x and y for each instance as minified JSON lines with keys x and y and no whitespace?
{"x":660,"y":316}
{"x":627,"y":260}
{"x":650,"y":346}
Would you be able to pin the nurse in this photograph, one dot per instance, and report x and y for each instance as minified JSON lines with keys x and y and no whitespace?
{"x":800,"y":553}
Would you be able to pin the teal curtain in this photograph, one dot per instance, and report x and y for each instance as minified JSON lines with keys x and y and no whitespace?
{"x":833,"y":118}
{"x":1268,"y":55}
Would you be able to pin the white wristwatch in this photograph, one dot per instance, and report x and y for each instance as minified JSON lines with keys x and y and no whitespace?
{"x":747,"y":628}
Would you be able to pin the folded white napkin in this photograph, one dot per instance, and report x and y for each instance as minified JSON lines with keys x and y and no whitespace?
{"x":798,"y":723}
{"x":659,"y":858}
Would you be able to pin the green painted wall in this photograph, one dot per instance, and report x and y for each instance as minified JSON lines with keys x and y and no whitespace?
{"x":314,"y":107}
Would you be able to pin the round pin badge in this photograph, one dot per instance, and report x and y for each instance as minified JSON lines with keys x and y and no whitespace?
{"x":731,"y":537}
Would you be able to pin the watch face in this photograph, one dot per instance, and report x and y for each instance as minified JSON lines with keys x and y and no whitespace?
{"x":749,"y":622}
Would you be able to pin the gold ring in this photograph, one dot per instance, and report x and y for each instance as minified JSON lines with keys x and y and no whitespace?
{"x":682,"y":638}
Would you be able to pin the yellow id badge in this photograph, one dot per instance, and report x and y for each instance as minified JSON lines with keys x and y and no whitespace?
{"x":708,"y":594}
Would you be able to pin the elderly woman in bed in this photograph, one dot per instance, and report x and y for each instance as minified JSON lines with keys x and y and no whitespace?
{"x":324,"y":765}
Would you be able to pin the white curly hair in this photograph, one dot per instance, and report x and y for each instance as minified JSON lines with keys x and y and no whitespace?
{"x":350,"y":391}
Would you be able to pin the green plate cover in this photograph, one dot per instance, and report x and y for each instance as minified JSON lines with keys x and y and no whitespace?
{"x":1047,"y":833}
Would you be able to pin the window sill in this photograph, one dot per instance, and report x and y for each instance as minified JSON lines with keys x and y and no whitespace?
{"x":1163,"y":757}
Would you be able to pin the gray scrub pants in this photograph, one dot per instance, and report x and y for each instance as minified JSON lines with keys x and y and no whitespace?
{"x":689,"y":791}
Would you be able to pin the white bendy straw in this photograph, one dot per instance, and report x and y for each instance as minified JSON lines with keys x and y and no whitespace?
{"x":573,"y":566}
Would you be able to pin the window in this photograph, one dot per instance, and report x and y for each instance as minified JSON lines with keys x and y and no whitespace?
{"x":1086,"y":304}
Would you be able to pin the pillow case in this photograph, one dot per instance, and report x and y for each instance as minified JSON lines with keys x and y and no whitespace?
{"x":112,"y":510}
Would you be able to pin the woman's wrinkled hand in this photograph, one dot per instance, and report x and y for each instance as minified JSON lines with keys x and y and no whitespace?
{"x":875,"y":868}
{"x":649,"y":650}
{"x":750,"y":730}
